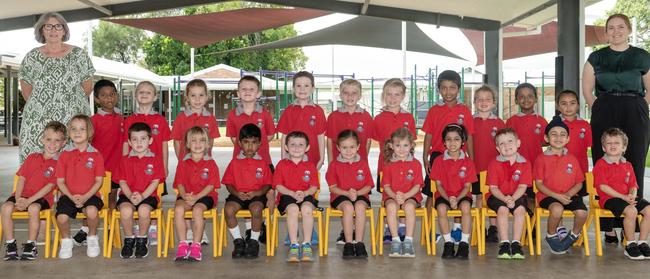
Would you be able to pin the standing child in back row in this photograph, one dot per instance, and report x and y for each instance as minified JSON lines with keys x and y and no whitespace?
{"x":194,"y":114}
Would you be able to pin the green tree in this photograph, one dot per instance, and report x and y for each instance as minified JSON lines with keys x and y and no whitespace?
{"x":118,"y":42}
{"x":638,"y":9}
{"x":166,"y":56}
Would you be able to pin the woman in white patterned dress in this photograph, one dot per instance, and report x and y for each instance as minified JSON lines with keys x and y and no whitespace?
{"x":55,"y":78}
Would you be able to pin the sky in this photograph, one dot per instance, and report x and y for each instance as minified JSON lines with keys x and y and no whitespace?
{"x":364,"y":62}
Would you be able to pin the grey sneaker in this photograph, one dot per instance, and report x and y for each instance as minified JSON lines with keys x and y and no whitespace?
{"x":407,"y":249}
{"x":555,"y":244}
{"x":395,"y":249}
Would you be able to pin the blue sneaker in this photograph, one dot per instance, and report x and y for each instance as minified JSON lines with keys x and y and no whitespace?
{"x":438,"y":236}
{"x":314,"y":237}
{"x":306,"y":253}
{"x":395,"y":250}
{"x":561,"y":232}
{"x":401,"y":232}
{"x":294,"y":253}
{"x":457,"y":235}
{"x":555,"y":244}
{"x":287,"y":242}
{"x":387,"y":237}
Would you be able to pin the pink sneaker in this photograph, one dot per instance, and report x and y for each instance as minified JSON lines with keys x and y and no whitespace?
{"x":195,"y":252}
{"x":182,"y":251}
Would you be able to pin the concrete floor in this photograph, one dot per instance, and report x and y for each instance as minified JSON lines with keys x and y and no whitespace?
{"x":613,"y":263}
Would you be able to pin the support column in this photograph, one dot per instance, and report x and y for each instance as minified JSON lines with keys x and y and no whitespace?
{"x":493,"y":68}
{"x":570,"y":45}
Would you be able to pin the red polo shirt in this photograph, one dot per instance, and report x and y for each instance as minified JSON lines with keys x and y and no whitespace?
{"x":186,"y":120}
{"x":195,"y":176}
{"x":247,"y":174}
{"x":348,"y":175}
{"x":37,"y":172}
{"x":508,"y":177}
{"x":484,"y":146}
{"x":441,"y":115}
{"x":558,"y":172}
{"x":359,"y":121}
{"x":79,"y":169}
{"x":139,"y":172}
{"x":260,"y":117}
{"x":159,"y":131}
{"x":109,"y":128}
{"x":386,"y":123}
{"x":402,"y":176}
{"x":309,"y":119}
{"x":579,"y":141}
{"x":530,"y":129}
{"x":617,"y":175}
{"x":453,"y":174}
{"x":295,"y":177}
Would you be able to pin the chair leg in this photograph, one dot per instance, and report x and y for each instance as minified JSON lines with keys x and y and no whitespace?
{"x":585,"y":239}
{"x":380,"y":229}
{"x":111,"y":237}
{"x":269,"y":227}
{"x":105,"y":232}
{"x":482,"y":232}
{"x":529,"y":234}
{"x":538,"y":232}
{"x":57,"y":238}
{"x":160,"y":226}
{"x":274,"y":234}
{"x":168,"y":232}
{"x":222,"y":233}
{"x":216,"y":241}
{"x":328,"y":212}
{"x":433,"y":234}
{"x":48,"y":234}
{"x":427,"y":238}
{"x":599,"y":244}
{"x":370,"y":213}
{"x":321,"y":251}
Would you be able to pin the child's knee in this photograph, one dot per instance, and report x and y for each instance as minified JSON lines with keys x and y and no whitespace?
{"x":34,"y":208}
{"x":360,"y":207}
{"x":7,"y":208}
{"x":580,"y":213}
{"x":502,"y":210}
{"x":519,"y":211}
{"x":631,"y":211}
{"x":306,"y":209}
{"x":62,"y":218}
{"x":144,"y":211}
{"x":346,"y":207}
{"x":556,"y":209}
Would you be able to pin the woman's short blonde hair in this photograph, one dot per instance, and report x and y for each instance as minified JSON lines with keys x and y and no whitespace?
{"x":38,"y":26}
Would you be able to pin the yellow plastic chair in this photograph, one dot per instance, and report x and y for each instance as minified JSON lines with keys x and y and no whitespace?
{"x":156,"y":214}
{"x":332,"y":212}
{"x":103,"y":213}
{"x":45,"y":214}
{"x":541,"y":212}
{"x":170,"y":230}
{"x":244,"y":213}
{"x":527,"y":235}
{"x":596,"y":213}
{"x":474,"y":212}
{"x":421,"y":212}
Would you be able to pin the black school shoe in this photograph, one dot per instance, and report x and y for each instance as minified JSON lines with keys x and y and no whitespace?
{"x":492,"y":235}
{"x":262,"y":238}
{"x":141,"y":249}
{"x":80,"y":238}
{"x":448,"y":251}
{"x":12,"y":251}
{"x":252,"y":250}
{"x":29,"y":251}
{"x":632,"y":252}
{"x":463,"y":251}
{"x":645,"y":250}
{"x":348,"y":251}
{"x":240,"y":248}
{"x":341,"y":239}
{"x":360,"y":250}
{"x":128,"y":249}
{"x":611,"y":239}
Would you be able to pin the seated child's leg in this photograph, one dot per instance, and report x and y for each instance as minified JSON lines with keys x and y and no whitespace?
{"x":270,"y":200}
{"x":307,"y":211}
{"x":502,"y":223}
{"x":579,"y":220}
{"x":179,"y":221}
{"x":34,"y":211}
{"x":409,"y":211}
{"x":292,"y":222}
{"x":360,"y":220}
{"x":391,"y":217}
{"x":198,"y":222}
{"x":442,"y":218}
{"x":144,"y":218}
{"x":466,"y":217}
{"x":629,"y":222}
{"x":7,"y":224}
{"x":520,"y":219}
{"x":347,"y":220}
{"x":63,"y":222}
{"x":92,"y":218}
{"x":556,"y":209}
{"x":230,"y":209}
{"x":112,"y":199}
{"x":126,"y":218}
{"x":256,"y":209}
{"x":645,"y":224}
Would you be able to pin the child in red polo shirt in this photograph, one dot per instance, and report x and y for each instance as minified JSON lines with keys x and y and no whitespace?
{"x":139,"y":176}
{"x":617,"y":188}
{"x":391,"y":118}
{"x":350,"y":182}
{"x":248,"y":179}
{"x":401,"y":182}
{"x":305,"y":116}
{"x":558,"y":177}
{"x":509,"y":175}
{"x":197,"y":181}
{"x":108,"y":123}
{"x":34,"y":187}
{"x":296,"y":181}
{"x":454,"y":173}
{"x":486,"y":125}
{"x":79,"y":175}
{"x":568,"y":104}
{"x":194,"y":114}
{"x":145,"y":96}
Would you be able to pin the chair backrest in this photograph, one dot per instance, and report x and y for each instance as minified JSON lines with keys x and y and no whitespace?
{"x":434,"y":187}
{"x":15,"y":183}
{"x":591,"y":189}
{"x":483,"y":184}
{"x":105,"y":189}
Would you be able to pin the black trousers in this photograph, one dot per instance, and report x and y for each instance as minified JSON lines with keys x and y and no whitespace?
{"x":630,"y":114}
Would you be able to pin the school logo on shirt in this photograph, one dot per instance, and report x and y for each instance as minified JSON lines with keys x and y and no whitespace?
{"x":260,"y":122}
{"x":461,"y":119}
{"x":569,"y":168}
{"x":516,"y":176}
{"x":494,"y":131}
{"x":206,"y":126}
{"x":627,"y":177}
{"x":462,"y":172}
{"x":48,"y":172}
{"x":90,"y":162}
{"x":312,"y":120}
{"x":205,"y":173}
{"x":406,"y":124}
{"x":410,"y":175}
{"x":149,"y":169}
{"x":582,"y":133}
{"x":155,"y":129}
{"x":538,"y":129}
{"x":258,"y":173}
{"x":360,"y":127}
{"x":360,"y":176}
{"x":307,"y":176}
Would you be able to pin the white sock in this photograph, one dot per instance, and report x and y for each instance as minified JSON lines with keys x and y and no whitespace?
{"x":84,"y":229}
{"x":248,"y":225}
{"x":639,"y":242}
{"x":447,"y":237}
{"x":551,"y":235}
{"x":408,"y":238}
{"x":31,"y":241}
{"x":456,"y":226}
{"x":631,"y":242}
{"x":235,"y":232}
{"x":401,"y":225}
{"x":11,"y":241}
{"x":464,"y":238}
{"x":255,"y":235}
{"x":397,"y":239}
{"x":575,"y":235}
{"x":505,"y":241}
{"x":515,"y":241}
